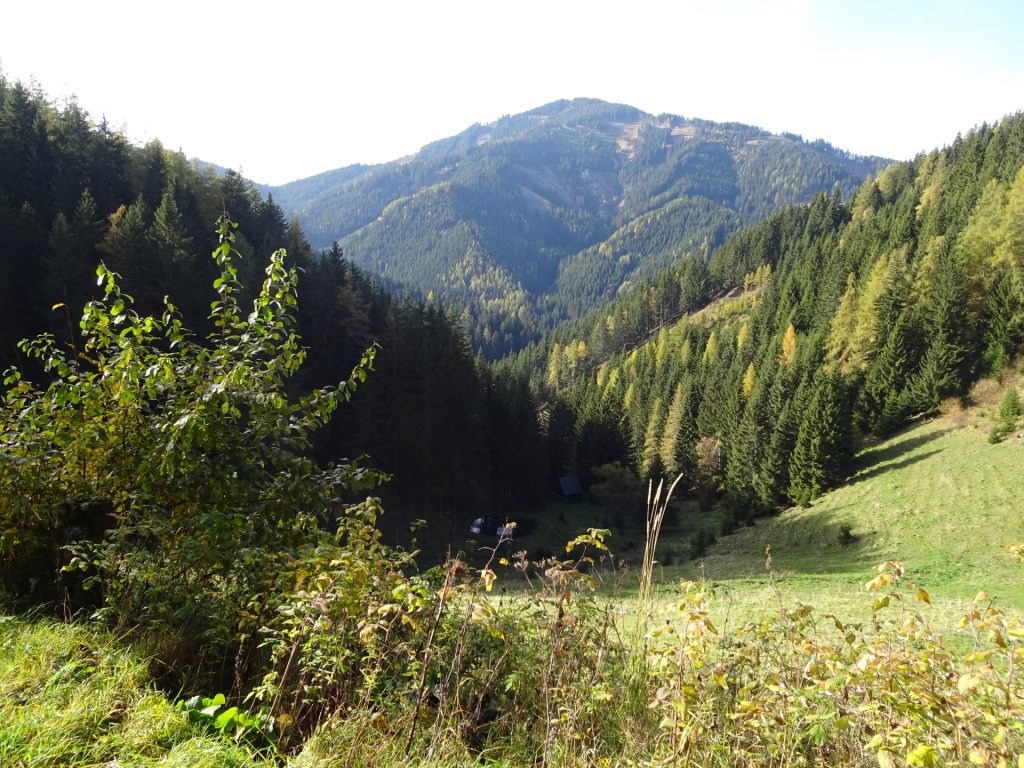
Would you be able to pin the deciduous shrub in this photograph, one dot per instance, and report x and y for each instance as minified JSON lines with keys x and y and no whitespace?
{"x":187,"y":462}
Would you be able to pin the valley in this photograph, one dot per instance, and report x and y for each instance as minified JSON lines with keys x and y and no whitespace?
{"x":260,"y":449}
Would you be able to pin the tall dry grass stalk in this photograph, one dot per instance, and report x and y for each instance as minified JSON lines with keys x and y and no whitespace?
{"x":657,"y":505}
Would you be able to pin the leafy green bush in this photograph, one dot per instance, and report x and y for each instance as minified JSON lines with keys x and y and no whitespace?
{"x":171,"y":475}
{"x":256,"y":730}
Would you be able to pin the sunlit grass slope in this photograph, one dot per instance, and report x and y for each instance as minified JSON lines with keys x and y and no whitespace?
{"x":939,"y":499}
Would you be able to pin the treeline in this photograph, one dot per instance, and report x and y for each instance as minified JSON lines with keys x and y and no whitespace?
{"x":456,"y":438}
{"x":73,"y":193}
{"x":833,"y":321}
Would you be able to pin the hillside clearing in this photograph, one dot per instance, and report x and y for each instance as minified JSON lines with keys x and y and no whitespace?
{"x":940,"y":500}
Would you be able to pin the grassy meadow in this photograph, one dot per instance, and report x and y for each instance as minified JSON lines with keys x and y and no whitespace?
{"x":937,"y":497}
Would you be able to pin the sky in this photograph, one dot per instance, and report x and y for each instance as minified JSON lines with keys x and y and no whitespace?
{"x":286,"y":90}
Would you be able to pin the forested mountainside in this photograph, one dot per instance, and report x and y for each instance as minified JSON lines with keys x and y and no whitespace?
{"x":750,"y":371}
{"x":74,"y":193}
{"x":830,"y":322}
{"x":184,"y":502}
{"x":539,"y":217}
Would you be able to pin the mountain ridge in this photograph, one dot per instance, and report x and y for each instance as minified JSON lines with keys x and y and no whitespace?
{"x":530,"y":220}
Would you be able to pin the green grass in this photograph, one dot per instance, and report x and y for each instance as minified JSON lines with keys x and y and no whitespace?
{"x":555,"y":524}
{"x":559,"y":522}
{"x":71,"y":696}
{"x":942,"y":501}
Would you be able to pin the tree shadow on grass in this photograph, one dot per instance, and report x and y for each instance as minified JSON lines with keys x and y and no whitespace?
{"x":882,"y":468}
{"x":821,"y":541}
{"x":881,"y":458}
{"x":818,"y":542}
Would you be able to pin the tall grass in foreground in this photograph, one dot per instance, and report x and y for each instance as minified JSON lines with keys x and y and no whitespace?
{"x":656,"y":509}
{"x":70,"y":696}
{"x":549,"y":680}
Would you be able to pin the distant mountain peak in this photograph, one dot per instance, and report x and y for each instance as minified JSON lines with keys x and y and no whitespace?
{"x":537,"y":217}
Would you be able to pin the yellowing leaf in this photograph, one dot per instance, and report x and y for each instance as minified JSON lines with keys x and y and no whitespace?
{"x":981,"y":597}
{"x":488,"y":576}
{"x":885,"y":759}
{"x":968,"y":683}
{"x":881,"y":580}
{"x":976,"y":656}
{"x":411,"y":622}
{"x":58,"y":305}
{"x":923,"y":596}
{"x":979,"y":756}
{"x":865,"y":661}
{"x":720,"y":679}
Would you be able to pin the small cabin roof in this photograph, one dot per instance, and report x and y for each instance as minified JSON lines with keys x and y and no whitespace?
{"x":570,"y":485}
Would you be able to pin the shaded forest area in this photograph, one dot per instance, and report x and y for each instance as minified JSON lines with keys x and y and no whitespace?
{"x":455,"y":437}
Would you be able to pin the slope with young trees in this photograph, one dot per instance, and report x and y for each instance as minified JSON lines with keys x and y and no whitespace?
{"x":833,"y":321}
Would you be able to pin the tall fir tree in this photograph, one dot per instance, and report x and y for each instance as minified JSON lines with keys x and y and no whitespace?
{"x":1003,"y":320}
{"x":883,"y":391}
{"x":822,"y":443}
{"x":947,"y":360}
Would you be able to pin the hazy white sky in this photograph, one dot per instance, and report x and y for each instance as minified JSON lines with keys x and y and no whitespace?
{"x":285,"y":90}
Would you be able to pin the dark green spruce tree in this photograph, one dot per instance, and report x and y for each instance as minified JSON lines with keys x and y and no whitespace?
{"x":822,"y":443}
{"x":947,"y":360}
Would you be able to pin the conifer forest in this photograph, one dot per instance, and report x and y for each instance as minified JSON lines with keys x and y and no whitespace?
{"x":586,"y":437}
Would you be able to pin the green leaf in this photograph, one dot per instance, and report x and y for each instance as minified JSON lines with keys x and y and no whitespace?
{"x":923,"y":755}
{"x":225,"y":719}
{"x":818,"y":734}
